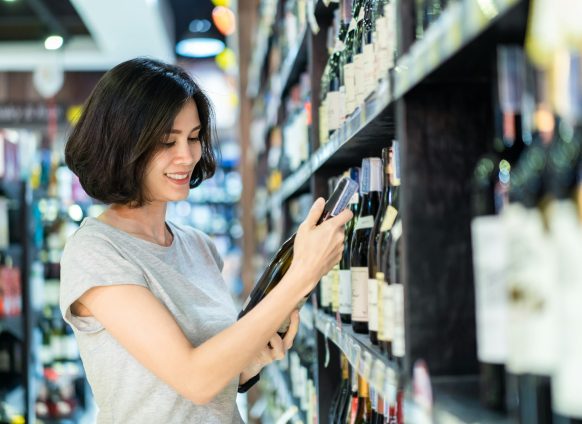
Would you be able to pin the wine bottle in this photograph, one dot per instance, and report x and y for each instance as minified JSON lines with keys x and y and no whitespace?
{"x":371,"y":189}
{"x":374,"y":304}
{"x":399,"y":340}
{"x":351,"y":406}
{"x":345,"y":274}
{"x":344,"y":392}
{"x":333,"y":274}
{"x":489,"y":187}
{"x":380,"y":417}
{"x":562,"y":210}
{"x":364,"y":411}
{"x":383,"y":251}
{"x":359,"y":62}
{"x":370,"y":80}
{"x":280,"y":263}
{"x":348,"y":61}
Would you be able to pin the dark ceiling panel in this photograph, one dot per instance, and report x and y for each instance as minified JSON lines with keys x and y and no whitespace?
{"x":19,"y":22}
{"x":185,"y":11}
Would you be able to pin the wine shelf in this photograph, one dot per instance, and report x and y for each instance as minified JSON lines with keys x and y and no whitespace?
{"x":370,"y":362}
{"x":290,"y":70}
{"x":293,"y":412}
{"x":261,"y":50}
{"x":13,"y":325}
{"x":456,"y":399}
{"x":460,"y":24}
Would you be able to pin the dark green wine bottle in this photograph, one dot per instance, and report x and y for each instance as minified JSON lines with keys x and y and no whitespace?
{"x":280,"y":263}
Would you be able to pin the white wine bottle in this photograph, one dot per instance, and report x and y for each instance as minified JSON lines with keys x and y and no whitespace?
{"x":280,"y":263}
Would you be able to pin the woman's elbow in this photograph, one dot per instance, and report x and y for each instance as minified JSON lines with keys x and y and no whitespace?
{"x":201,"y":395}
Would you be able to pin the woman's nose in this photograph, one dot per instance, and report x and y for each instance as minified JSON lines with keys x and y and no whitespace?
{"x":185,"y":154}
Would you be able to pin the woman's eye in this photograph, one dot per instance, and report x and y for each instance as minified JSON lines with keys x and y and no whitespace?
{"x":168,"y":145}
{"x":194,"y":139}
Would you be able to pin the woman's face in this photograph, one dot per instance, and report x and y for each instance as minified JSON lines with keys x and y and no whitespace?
{"x":168,"y":173}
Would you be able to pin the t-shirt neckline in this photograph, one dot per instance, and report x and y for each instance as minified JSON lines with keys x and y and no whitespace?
{"x":148,"y":243}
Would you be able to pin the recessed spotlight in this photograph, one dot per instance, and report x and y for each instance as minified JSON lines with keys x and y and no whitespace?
{"x":53,"y":42}
{"x":199,"y":47}
{"x":199,"y":25}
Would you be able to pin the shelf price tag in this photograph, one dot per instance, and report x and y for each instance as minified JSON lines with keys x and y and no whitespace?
{"x":366,"y":366}
{"x":390,"y":385}
{"x":326,"y":337}
{"x":378,"y":374}
{"x":357,"y":355}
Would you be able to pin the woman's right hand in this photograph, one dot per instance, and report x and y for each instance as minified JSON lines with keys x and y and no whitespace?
{"x":318,"y":248}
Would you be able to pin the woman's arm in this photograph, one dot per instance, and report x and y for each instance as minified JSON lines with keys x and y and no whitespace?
{"x":148,"y":331}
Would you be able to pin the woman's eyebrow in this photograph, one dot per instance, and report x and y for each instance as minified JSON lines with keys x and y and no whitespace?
{"x":176,"y":131}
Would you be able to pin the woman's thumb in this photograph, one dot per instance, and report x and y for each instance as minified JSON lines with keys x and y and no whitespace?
{"x":315,"y":213}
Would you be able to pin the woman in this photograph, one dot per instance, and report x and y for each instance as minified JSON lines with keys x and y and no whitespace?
{"x":155,"y":324}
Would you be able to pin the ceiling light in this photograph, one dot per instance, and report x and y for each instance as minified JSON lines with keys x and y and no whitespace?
{"x":199,"y":25}
{"x":53,"y":42}
{"x":199,"y":47}
{"x":9,"y":1}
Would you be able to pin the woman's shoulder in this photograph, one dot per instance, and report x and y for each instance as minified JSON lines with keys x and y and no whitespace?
{"x":91,"y":236}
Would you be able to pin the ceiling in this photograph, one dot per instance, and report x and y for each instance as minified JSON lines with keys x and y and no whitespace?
{"x":98,"y":33}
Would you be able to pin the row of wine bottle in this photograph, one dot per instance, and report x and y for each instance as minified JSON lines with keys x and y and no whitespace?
{"x":355,"y":402}
{"x":527,"y":242}
{"x":366,"y":288}
{"x":362,"y":53}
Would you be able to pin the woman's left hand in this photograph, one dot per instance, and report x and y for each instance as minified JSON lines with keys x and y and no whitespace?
{"x":275,"y":350}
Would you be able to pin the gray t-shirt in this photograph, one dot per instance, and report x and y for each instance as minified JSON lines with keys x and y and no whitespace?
{"x":186,"y":278}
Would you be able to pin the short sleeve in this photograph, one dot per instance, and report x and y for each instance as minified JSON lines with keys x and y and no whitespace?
{"x":214,"y":250}
{"x":92,"y":261}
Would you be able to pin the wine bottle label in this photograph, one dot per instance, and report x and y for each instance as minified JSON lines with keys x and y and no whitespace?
{"x":360,"y":294}
{"x":566,"y":235}
{"x":490,"y":271}
{"x":388,"y":305}
{"x":350,"y":88}
{"x":359,"y":72}
{"x":372,"y":305}
{"x":334,"y":274}
{"x":369,"y":70}
{"x":376,"y":52}
{"x":341,"y":105}
{"x":325,"y":291}
{"x":332,"y":102}
{"x":380,"y":284}
{"x":323,"y":131}
{"x":345,"y":276}
{"x":389,"y":218}
{"x":532,"y":293}
{"x":398,"y":345}
{"x":365,"y":222}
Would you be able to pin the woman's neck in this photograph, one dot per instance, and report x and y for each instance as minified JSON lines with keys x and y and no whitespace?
{"x":147,"y":222}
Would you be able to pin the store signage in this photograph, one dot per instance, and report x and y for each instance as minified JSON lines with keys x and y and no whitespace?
{"x":18,"y":114}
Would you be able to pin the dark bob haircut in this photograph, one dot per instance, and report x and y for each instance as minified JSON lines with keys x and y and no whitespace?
{"x":129,"y":113}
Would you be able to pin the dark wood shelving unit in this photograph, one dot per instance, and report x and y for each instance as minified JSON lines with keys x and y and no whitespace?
{"x":14,"y":325}
{"x":438,"y":103}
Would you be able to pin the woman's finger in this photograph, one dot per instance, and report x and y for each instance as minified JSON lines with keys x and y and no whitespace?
{"x":277,"y":348}
{"x":292,"y":331}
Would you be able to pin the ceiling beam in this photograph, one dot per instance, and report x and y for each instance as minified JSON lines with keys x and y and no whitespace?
{"x":50,"y":20}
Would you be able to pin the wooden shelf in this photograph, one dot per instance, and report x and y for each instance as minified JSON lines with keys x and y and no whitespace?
{"x":373,"y":120}
{"x":280,"y":83}
{"x":281,"y":383}
{"x":370,"y":362}
{"x":456,"y":399}
{"x":459,"y":24}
